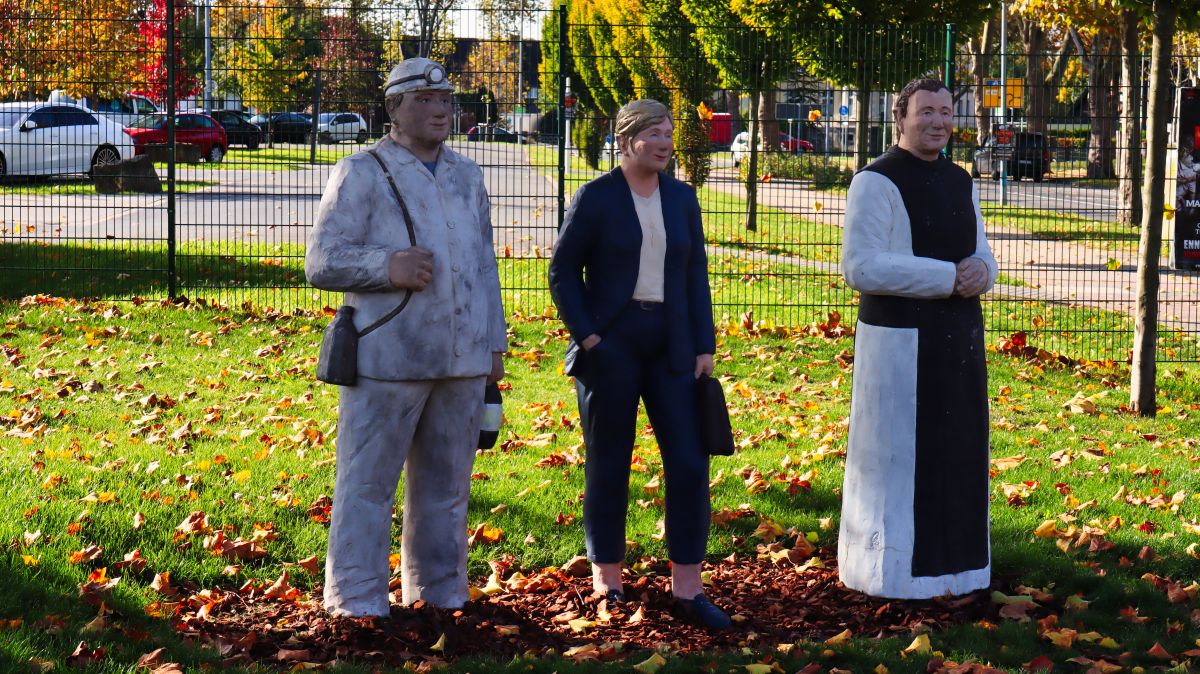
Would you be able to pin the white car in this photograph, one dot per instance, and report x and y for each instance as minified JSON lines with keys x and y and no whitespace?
{"x":739,"y":147}
{"x":335,"y":127}
{"x":123,"y":110}
{"x":43,"y":139}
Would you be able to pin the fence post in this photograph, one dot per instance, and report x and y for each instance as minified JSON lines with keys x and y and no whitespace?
{"x":316,"y":119}
{"x":562,"y":111}
{"x":949,"y":71}
{"x":172,"y":288}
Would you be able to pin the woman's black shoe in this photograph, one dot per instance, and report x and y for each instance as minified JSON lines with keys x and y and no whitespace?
{"x":700,"y":611}
{"x":615,"y":597}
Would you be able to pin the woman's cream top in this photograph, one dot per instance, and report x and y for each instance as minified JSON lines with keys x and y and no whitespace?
{"x":649,"y":286}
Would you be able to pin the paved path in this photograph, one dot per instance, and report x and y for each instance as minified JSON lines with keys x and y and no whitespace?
{"x":278,"y":207}
{"x":1051,"y":271}
{"x":267,"y":207}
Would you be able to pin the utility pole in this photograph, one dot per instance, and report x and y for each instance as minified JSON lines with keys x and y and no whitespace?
{"x":1003,"y":96}
{"x":208,"y":82}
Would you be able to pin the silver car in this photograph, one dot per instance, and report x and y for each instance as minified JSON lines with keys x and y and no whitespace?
{"x":43,"y":139}
{"x":335,"y":127}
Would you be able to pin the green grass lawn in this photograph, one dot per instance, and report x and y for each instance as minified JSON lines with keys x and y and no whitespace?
{"x":83,"y":185}
{"x":777,"y":232}
{"x":288,"y":157}
{"x":121,"y":419}
{"x":1054,"y":226}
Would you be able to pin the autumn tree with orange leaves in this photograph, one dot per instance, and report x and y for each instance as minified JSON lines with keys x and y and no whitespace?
{"x":84,"y":47}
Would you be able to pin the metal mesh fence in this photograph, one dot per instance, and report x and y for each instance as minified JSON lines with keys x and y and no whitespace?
{"x":268,"y":94}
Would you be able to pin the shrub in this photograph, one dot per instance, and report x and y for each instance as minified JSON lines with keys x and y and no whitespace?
{"x":823,"y":173}
{"x":587,"y":132}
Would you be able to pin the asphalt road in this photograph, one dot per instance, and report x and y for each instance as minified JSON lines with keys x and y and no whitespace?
{"x":267,"y":207}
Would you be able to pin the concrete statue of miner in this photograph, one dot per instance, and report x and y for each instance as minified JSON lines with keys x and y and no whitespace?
{"x":418,"y":400}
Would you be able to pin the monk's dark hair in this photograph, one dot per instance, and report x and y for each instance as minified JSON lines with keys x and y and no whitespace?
{"x":900,"y":107}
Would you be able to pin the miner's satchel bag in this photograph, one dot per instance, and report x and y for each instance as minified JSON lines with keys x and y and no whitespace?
{"x":716,"y":433}
{"x":338,"y":361}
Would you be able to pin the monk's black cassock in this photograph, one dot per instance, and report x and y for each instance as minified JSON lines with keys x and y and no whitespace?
{"x":915,"y":501}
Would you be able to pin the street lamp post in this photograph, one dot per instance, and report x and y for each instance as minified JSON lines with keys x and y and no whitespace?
{"x":208,"y":83}
{"x":1003,"y":96}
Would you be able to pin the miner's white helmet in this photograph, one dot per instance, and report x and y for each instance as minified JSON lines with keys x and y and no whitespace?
{"x":417,"y":74}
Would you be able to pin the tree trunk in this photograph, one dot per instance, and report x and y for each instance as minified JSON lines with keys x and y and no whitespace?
{"x":1037,"y":96}
{"x":1145,"y":332}
{"x":1129,"y":148}
{"x":770,"y":125}
{"x":733,"y":105}
{"x":752,"y":170}
{"x":862,"y":123}
{"x":979,"y":66}
{"x":1102,"y":109}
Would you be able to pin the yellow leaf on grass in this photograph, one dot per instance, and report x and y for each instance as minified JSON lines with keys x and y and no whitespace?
{"x":1061,"y":638}
{"x":241,"y":476}
{"x":1046,"y":529}
{"x":493,"y":585}
{"x":1008,"y":462}
{"x":440,"y":645}
{"x":919,"y":645}
{"x":758,"y":668}
{"x":651,"y":664}
{"x":581,"y":624}
{"x":582,"y":652}
{"x":652,"y":486}
{"x":840,"y":638}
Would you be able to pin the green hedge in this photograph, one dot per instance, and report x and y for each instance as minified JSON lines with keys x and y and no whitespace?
{"x":823,"y":173}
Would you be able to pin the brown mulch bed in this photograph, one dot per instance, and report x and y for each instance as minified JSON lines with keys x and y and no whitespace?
{"x":771,"y":604}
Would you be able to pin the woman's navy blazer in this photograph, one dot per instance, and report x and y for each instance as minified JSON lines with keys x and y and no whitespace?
{"x":595,"y":263}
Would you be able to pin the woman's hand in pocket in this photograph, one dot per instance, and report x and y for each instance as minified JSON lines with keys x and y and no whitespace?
{"x":590,"y":342}
{"x":704,"y":364}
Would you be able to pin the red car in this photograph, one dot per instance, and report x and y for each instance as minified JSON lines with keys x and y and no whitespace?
{"x":191,"y":127}
{"x":792,"y":144}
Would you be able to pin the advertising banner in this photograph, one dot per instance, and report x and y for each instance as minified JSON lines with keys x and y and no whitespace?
{"x":1185,"y":251}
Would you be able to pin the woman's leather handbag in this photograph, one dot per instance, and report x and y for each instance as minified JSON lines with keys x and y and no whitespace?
{"x":716,"y":433}
{"x":337,"y":362}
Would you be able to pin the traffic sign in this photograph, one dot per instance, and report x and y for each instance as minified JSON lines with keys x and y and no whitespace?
{"x":1003,"y":140}
{"x":843,"y":110}
{"x":1015,"y":92}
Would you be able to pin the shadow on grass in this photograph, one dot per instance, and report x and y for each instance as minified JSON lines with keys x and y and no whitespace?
{"x":125,"y":269}
{"x":55,"y":618}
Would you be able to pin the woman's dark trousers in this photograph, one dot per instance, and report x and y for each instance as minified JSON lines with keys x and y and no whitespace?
{"x":630,"y":363}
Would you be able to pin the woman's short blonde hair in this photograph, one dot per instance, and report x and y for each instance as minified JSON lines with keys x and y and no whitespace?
{"x":637,"y":116}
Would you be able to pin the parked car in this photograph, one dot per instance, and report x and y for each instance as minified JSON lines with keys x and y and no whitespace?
{"x":741,"y":145}
{"x":239,"y":130}
{"x":611,"y":149}
{"x":285,"y":127}
{"x":122,"y":110}
{"x":335,"y":127}
{"x":42,"y":139}
{"x":495,"y":134}
{"x":789,"y":143}
{"x":1031,"y":157}
{"x":192,"y":128}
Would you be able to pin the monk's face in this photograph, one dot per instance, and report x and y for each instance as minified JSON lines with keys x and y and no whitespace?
{"x":927,"y":124}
